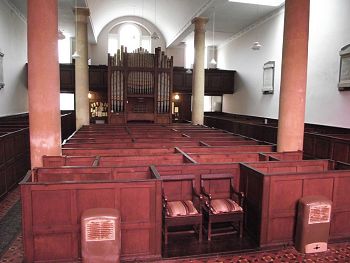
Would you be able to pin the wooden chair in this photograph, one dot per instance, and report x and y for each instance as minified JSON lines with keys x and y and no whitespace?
{"x":181,"y":205}
{"x":221,"y":205}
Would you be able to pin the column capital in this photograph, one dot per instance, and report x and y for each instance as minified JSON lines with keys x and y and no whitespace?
{"x":82,"y":13}
{"x":199,"y":23}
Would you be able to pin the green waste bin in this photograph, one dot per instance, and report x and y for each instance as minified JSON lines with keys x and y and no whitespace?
{"x":313,"y":224}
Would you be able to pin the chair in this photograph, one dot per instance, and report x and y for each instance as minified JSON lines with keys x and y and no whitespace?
{"x":181,"y":205}
{"x":222,"y":205}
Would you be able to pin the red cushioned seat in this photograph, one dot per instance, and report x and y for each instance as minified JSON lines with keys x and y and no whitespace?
{"x":180,"y":208}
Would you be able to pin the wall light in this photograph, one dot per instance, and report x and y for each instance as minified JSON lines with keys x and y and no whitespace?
{"x":176,"y":97}
{"x":89,"y":95}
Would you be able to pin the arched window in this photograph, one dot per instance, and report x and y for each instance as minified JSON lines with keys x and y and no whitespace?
{"x":130,"y":37}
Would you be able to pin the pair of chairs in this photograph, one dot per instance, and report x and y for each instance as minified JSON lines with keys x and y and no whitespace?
{"x":216,"y":204}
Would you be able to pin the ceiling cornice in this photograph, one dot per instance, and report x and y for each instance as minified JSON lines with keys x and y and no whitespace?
{"x":16,"y":11}
{"x":188,"y":25}
{"x":261,"y":21}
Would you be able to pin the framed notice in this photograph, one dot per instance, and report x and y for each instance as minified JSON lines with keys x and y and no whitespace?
{"x":2,"y":83}
{"x":268,"y":77}
{"x":344,"y":71}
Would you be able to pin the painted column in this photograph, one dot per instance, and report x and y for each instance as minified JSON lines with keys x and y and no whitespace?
{"x":294,"y":76}
{"x":43,"y":80}
{"x":198,"y":70}
{"x":81,"y":69}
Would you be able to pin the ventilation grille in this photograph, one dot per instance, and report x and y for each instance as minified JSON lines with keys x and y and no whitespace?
{"x":319,"y":214}
{"x":100,"y":230}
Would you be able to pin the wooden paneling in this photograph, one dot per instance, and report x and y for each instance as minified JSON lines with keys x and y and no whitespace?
{"x":217,"y":82}
{"x":272,"y":214}
{"x":53,"y":233}
{"x":67,"y":78}
{"x":98,"y":78}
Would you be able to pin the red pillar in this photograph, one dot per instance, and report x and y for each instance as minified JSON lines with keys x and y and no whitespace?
{"x":294,"y":75}
{"x":43,"y":80}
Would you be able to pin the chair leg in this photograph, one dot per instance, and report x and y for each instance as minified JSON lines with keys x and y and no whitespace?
{"x":209,"y":229}
{"x":200,"y":232}
{"x":165,"y":235}
{"x":240,"y":228}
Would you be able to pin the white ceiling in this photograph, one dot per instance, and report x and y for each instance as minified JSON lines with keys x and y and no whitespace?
{"x":172,"y":17}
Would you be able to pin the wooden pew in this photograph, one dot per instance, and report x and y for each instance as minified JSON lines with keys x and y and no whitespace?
{"x":272,"y":190}
{"x":52,"y":206}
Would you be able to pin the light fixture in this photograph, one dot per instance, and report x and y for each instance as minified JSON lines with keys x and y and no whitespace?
{"x":89,"y":95}
{"x":256,"y":46}
{"x":189,"y":70}
{"x":260,"y":2}
{"x":213,"y":61}
{"x":154,"y":35}
{"x":61,"y":36}
{"x":177,"y":97}
{"x":76,"y":54}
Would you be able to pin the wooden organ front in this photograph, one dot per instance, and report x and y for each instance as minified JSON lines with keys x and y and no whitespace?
{"x":139,"y":86}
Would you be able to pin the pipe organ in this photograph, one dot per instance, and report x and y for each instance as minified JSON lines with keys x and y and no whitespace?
{"x":139,"y":86}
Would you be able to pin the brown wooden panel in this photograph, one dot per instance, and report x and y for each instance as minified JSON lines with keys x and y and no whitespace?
{"x":281,"y":229}
{"x":3,"y":188}
{"x":51,"y":208}
{"x":340,"y":224}
{"x":57,"y":246}
{"x":67,"y":78}
{"x":284,"y":194}
{"x":322,"y":187}
{"x":284,"y":169}
{"x":341,"y":151}
{"x":94,"y":198}
{"x":322,"y":148}
{"x":135,"y":241}
{"x":341,"y":193}
{"x":136,"y":204}
{"x":178,"y":190}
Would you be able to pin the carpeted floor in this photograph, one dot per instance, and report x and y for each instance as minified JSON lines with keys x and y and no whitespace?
{"x":11,"y":248}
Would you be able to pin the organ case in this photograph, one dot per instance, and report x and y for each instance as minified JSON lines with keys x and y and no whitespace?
{"x":140,"y":86}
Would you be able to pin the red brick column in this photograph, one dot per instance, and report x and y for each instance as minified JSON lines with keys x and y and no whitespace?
{"x":43,"y":80}
{"x":294,"y":75}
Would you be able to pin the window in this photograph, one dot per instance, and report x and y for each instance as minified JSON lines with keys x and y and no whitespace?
{"x":67,"y":101}
{"x":189,"y":56}
{"x":113,"y":44}
{"x":64,"y":50}
{"x":211,"y":103}
{"x":130,"y":37}
{"x":344,"y":72}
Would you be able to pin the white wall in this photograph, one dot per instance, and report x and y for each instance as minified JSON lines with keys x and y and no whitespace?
{"x":178,"y":54}
{"x":238,"y":55}
{"x":329,"y":31}
{"x":13,"y":43}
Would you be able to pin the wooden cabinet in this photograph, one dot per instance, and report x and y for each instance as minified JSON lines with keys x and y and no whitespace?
{"x":217,"y":82}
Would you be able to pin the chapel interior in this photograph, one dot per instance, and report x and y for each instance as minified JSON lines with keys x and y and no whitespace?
{"x":174,"y":131}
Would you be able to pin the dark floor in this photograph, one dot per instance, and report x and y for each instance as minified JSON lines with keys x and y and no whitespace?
{"x":185,"y":245}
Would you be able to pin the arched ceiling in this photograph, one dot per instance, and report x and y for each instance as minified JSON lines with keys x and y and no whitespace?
{"x":171,"y":17}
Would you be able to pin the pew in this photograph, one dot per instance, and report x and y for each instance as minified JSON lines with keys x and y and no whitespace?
{"x":272,"y":190}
